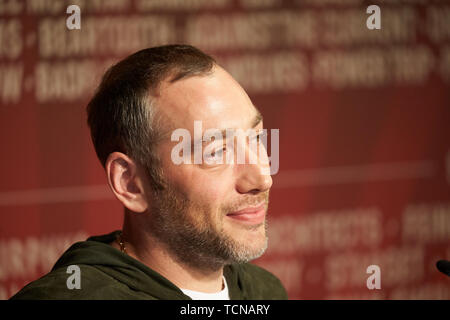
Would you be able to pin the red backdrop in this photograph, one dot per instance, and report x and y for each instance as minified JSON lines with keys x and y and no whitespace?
{"x":364,"y":131}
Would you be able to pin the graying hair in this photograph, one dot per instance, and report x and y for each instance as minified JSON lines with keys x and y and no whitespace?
{"x":122,"y":116}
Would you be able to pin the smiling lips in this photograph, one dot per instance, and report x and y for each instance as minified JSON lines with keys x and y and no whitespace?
{"x":250,"y":215}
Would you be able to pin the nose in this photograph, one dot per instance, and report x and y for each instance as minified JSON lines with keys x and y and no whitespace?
{"x":253,"y":177}
{"x":253,"y":181}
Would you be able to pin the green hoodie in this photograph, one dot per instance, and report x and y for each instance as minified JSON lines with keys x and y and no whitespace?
{"x":107,"y":273}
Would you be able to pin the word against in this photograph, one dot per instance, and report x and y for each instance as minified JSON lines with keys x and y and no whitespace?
{"x":374,"y":281}
{"x":74,"y":20}
{"x":220,"y":143}
{"x":73,"y":281}
{"x":374,"y":20}
{"x":229,"y":309}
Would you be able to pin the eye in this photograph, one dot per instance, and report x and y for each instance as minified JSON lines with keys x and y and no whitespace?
{"x":258,"y":137}
{"x":215,"y":154}
{"x":219,"y":152}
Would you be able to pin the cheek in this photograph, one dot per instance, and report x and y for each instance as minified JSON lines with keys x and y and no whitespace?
{"x":211,"y":196}
{"x":216,"y":188}
{"x":210,"y":193}
{"x":207,"y":188}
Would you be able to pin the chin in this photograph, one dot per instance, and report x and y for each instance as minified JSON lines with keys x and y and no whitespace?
{"x":253,"y":242}
{"x":249,"y":253}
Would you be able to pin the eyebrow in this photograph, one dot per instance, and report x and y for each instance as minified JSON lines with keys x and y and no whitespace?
{"x":258,"y":118}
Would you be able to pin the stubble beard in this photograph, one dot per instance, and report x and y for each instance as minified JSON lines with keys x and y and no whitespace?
{"x":195,"y":238}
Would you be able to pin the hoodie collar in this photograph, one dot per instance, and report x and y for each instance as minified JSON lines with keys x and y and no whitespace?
{"x":96,"y":251}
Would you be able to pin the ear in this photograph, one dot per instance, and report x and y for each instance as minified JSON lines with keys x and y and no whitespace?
{"x":126,"y":181}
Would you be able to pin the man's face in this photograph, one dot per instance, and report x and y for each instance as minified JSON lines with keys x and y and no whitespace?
{"x":210,"y":214}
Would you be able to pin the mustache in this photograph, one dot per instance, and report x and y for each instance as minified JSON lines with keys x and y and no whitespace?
{"x":248,"y":201}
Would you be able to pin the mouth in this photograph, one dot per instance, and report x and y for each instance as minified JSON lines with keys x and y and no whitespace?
{"x":250,"y":215}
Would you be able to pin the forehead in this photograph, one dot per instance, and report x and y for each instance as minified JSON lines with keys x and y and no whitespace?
{"x":216,"y":99}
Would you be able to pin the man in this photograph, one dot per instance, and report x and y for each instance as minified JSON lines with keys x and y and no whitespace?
{"x":189,"y":229}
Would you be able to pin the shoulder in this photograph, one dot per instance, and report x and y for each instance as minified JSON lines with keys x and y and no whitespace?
{"x":59,"y":285}
{"x":260,"y":283}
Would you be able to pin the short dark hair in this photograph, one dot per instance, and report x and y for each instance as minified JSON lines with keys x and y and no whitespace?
{"x":121,"y":115}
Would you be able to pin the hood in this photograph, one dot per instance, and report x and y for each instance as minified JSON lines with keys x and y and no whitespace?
{"x":97,"y":252}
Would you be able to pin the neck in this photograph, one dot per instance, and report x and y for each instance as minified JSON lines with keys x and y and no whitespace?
{"x":147,"y":249}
